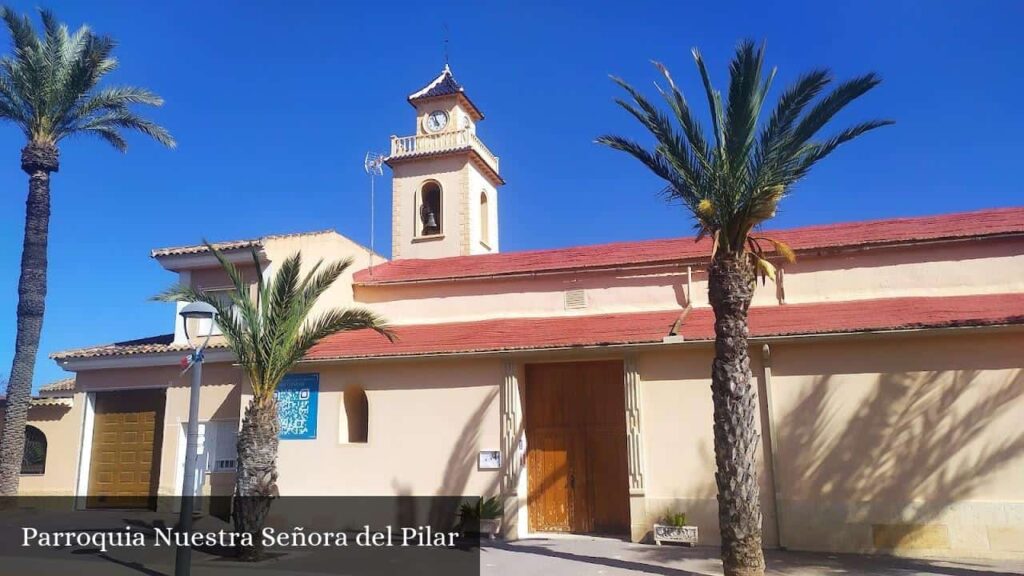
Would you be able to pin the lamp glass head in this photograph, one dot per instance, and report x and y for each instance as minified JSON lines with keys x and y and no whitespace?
{"x":198,"y":311}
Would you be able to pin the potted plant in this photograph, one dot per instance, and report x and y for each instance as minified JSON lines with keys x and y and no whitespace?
{"x":674,"y":529}
{"x":483,"y":518}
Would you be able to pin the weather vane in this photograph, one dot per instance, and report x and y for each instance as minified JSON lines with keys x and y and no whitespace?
{"x":445,"y":26}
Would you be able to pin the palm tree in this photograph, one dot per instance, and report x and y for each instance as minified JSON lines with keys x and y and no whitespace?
{"x":733,"y":184}
{"x":49,"y":88}
{"x":269,"y":332}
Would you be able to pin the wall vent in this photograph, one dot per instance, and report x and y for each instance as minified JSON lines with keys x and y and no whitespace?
{"x":220,"y":465}
{"x":575,"y":299}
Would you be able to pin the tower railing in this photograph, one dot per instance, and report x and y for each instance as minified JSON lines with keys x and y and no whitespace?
{"x":441,"y":142}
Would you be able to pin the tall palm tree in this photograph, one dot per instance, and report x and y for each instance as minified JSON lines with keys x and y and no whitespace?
{"x":732,"y":184}
{"x":49,"y":88}
{"x":269,"y":328}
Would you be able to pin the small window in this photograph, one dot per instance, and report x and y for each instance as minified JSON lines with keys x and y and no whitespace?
{"x":34,"y":460}
{"x":225,"y":446}
{"x":485,"y":220}
{"x":355,"y":416}
{"x":430,"y":223}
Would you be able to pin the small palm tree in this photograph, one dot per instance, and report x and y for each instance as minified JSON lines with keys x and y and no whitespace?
{"x":733,"y":184}
{"x":269,"y":332}
{"x":49,"y":88}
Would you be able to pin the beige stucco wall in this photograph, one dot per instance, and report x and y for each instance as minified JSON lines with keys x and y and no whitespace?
{"x":451,"y":172}
{"x":916,"y":444}
{"x":327,"y":247}
{"x":458,"y":118}
{"x":906,"y":443}
{"x":476,"y":185}
{"x":952,"y":269}
{"x":677,"y":421}
{"x":427,"y":422}
{"x":216,"y":278}
{"x":61,"y":425}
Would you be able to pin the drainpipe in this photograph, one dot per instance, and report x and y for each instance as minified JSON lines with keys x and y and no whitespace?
{"x":766,"y":357}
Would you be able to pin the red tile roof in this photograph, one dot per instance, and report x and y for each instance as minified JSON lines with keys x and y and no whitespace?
{"x":154,"y":344}
{"x":230,"y":244}
{"x":652,"y":252}
{"x":63,"y":387}
{"x":509,"y":334}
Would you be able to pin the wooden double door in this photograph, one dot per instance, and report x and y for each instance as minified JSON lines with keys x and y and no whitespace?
{"x":125,"y":464}
{"x":576,"y":448}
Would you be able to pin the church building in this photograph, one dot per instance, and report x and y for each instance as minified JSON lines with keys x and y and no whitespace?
{"x":574,"y":383}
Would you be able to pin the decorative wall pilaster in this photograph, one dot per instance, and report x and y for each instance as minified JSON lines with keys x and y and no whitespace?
{"x":511,"y":428}
{"x":634,"y":434}
{"x":464,"y":214}
{"x":396,"y":219}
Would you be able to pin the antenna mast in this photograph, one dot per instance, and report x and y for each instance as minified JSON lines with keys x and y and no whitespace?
{"x":373,"y":163}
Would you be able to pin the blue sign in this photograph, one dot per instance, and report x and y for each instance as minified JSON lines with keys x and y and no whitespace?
{"x":296,"y":406}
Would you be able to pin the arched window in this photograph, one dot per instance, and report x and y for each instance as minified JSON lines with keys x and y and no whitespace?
{"x":485,"y":220}
{"x":430,"y":223}
{"x":34,"y":460}
{"x":355,"y":428}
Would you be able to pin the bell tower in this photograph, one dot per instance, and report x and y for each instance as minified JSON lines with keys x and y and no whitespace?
{"x":445,"y":181}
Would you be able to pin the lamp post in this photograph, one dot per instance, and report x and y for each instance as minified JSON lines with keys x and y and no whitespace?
{"x":192,"y":311}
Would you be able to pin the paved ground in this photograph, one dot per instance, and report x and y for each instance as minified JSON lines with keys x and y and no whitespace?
{"x":554,"y":556}
{"x":606,"y":557}
{"x":546,"y":557}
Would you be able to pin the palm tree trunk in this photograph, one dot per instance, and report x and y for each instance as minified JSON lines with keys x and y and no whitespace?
{"x":256,"y":482}
{"x":38,"y":161}
{"x":730,"y":287}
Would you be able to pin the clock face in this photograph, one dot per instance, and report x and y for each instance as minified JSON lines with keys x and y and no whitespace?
{"x":437,"y":120}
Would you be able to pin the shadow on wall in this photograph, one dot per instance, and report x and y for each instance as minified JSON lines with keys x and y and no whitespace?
{"x":916,"y":444}
{"x":461,"y":464}
{"x":45,"y":413}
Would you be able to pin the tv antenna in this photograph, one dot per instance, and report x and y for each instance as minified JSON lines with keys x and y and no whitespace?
{"x":373,"y":163}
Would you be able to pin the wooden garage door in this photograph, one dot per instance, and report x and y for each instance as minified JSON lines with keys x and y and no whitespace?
{"x":576,"y":448}
{"x":125,"y":465}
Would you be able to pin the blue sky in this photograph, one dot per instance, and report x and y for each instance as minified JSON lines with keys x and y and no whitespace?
{"x":275,"y":104}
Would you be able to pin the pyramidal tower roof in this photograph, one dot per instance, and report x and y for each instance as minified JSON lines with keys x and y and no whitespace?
{"x":445,"y":85}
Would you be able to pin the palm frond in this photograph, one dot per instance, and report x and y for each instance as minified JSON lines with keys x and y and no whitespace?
{"x":691,"y":128}
{"x":714,"y":104}
{"x":736,"y":183}
{"x":269,"y":327}
{"x":333,"y":322}
{"x":125,"y":119}
{"x":816,"y":152}
{"x":110,"y":135}
{"x":679,"y":187}
{"x":49,"y":86}
{"x":746,"y":95}
{"x":829,"y":106}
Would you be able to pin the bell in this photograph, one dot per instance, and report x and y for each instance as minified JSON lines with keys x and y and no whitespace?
{"x":430,"y":224}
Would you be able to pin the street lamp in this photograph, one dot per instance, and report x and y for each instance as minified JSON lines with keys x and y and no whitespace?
{"x":192,"y":311}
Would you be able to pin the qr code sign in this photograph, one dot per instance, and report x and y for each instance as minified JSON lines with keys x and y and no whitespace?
{"x":297,"y":406}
